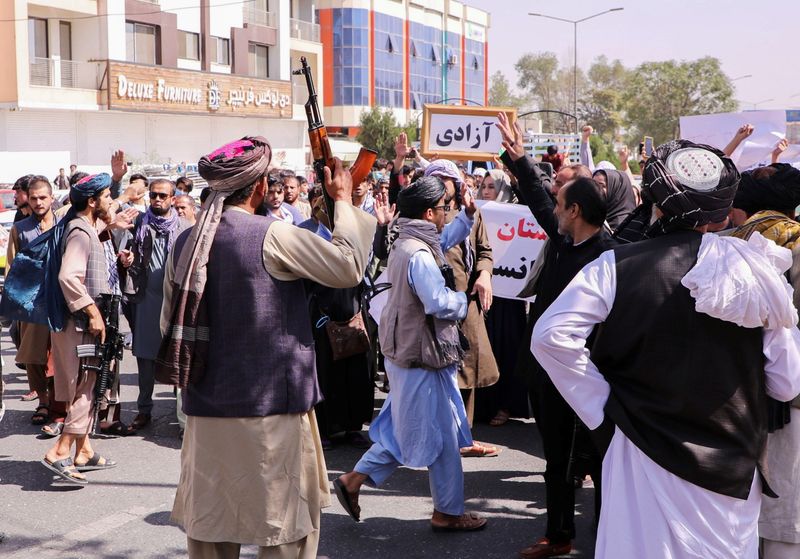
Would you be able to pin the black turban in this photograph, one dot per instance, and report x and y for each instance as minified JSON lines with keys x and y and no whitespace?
{"x":692,"y":184}
{"x":776,"y":187}
{"x":421,"y":195}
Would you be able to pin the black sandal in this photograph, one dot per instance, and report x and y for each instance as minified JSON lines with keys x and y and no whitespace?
{"x":66,"y":469}
{"x":346,"y":500}
{"x":94,"y":464}
{"x":53,"y":429}
{"x":40,"y":418}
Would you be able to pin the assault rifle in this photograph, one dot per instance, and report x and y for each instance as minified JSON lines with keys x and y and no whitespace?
{"x":107,"y":351}
{"x":321,"y":147}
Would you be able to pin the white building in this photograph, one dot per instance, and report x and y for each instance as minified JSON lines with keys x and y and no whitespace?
{"x":165,"y":80}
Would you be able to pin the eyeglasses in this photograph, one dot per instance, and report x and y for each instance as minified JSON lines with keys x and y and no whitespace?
{"x":159,"y":195}
{"x":445,"y":208}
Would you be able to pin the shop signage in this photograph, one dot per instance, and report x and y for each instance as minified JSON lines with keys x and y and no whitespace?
{"x":134,"y":87}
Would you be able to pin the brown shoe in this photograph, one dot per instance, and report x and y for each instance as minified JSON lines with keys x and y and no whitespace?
{"x":142,"y":420}
{"x":545,"y":548}
{"x":467,"y":522}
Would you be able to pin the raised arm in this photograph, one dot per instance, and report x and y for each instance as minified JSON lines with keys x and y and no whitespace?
{"x":744,"y":132}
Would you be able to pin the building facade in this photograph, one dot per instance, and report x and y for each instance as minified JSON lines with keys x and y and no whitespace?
{"x":400,"y":54}
{"x":164,"y":80}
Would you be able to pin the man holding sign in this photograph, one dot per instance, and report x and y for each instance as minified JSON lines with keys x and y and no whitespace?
{"x":574,"y":224}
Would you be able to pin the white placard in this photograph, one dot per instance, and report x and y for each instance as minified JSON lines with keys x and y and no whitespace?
{"x":464,"y":133}
{"x":717,"y":130}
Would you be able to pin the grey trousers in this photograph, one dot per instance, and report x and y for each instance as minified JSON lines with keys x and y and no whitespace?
{"x":302,"y":549}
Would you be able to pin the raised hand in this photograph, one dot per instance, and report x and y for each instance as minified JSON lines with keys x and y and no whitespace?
{"x":340,"y":184}
{"x":512,"y":137}
{"x":124,"y":219}
{"x":118,"y":165}
{"x":586,"y":131}
{"x":401,"y":148}
{"x":468,"y":200}
{"x":383,"y":211}
{"x":745,"y":130}
{"x":780,"y":147}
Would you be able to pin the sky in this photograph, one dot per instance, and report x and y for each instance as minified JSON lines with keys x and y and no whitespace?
{"x":749,"y":37}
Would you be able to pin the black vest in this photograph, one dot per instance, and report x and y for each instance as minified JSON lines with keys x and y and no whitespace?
{"x":261,"y":358}
{"x":687,"y":389}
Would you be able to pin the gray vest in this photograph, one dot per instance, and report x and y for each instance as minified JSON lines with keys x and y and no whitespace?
{"x":261,"y":358}
{"x":409,"y":338}
{"x":96,"y":279}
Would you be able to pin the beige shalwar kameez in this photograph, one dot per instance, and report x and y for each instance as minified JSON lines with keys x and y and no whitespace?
{"x":263,"y":480}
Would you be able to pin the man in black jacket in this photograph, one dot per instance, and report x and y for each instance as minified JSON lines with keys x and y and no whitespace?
{"x":574,"y":225}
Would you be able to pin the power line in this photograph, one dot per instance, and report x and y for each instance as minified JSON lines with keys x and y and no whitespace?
{"x":75,"y":18}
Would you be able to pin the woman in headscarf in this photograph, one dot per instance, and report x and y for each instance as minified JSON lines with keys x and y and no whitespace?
{"x":505,"y":324}
{"x":496,"y":186}
{"x":620,"y":196}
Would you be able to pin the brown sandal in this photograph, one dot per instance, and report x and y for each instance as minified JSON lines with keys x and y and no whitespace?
{"x":500,"y":418}
{"x":467,"y":522}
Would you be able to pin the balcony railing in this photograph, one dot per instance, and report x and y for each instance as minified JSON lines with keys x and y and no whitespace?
{"x":264,"y":18}
{"x":53,"y":72}
{"x":304,"y":30}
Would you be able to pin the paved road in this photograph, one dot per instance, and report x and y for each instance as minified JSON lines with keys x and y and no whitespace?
{"x":124,"y":512}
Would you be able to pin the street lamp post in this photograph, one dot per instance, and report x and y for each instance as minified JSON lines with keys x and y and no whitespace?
{"x":575,"y":23}
{"x":741,"y":77}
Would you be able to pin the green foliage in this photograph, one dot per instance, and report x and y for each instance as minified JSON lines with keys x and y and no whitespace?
{"x":601,"y":151}
{"x":500,"y":94}
{"x":378,"y":131}
{"x":657,"y":94}
{"x":618,"y":102}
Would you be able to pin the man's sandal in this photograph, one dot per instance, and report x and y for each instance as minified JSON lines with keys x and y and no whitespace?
{"x":40,"y":417}
{"x":467,"y":522}
{"x":346,"y":500}
{"x":96,"y":462}
{"x":53,"y":429}
{"x":30,"y":396}
{"x":66,"y":469}
{"x":479,"y":450}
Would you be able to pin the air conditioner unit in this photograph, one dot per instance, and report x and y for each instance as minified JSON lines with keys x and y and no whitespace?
{"x":452,"y":60}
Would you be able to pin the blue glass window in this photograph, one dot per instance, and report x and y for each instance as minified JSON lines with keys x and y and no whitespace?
{"x":425,"y":50}
{"x":350,"y":56}
{"x":388,"y":61}
{"x":474,"y":70}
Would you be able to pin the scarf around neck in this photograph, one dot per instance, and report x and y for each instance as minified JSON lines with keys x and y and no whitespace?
{"x":425,"y":232}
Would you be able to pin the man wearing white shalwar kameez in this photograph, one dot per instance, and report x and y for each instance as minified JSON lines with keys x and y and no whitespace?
{"x":680,"y":391}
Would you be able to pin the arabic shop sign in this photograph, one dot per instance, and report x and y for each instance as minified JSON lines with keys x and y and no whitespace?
{"x":462,"y":132}
{"x":516,"y":239}
{"x":149,"y":88}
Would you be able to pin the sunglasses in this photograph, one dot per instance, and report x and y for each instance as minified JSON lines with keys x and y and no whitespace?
{"x":159,"y":195}
{"x":444,"y":208}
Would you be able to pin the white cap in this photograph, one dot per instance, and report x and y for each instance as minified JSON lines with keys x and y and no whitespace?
{"x":479,"y":172}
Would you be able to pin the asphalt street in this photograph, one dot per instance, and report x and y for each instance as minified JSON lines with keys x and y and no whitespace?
{"x":124,"y":512}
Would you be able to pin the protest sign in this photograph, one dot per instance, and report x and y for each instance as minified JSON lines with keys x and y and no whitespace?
{"x":461,"y":132}
{"x":516,"y":239}
{"x":769,"y":128}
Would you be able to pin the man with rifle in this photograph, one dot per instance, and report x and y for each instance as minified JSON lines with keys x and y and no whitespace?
{"x":84,"y":277}
{"x":252,"y":468}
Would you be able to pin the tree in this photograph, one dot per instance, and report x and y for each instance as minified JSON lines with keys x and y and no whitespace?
{"x":378,"y":131}
{"x":500,"y":94}
{"x":602,"y":104}
{"x":657,"y":94}
{"x":550,"y":87}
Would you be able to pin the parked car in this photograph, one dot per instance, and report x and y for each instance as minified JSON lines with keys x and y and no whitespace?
{"x":7,"y":199}
{"x":6,"y":221}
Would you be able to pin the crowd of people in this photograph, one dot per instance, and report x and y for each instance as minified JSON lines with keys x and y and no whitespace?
{"x":659,"y":354}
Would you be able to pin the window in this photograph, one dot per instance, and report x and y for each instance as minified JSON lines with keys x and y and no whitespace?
{"x":258,"y":60}
{"x":188,"y":45}
{"x":425,"y":65}
{"x":37,"y":38}
{"x":351,"y":56}
{"x":388,"y":62}
{"x":140,"y":42}
{"x":219,"y":51}
{"x":65,"y":40}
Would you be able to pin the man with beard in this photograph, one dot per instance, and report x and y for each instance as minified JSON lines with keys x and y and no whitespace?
{"x":21,"y":197}
{"x":83,"y":277}
{"x":695,"y":330}
{"x":291,"y":196}
{"x":252,"y":470}
{"x":423,"y":422}
{"x":186,"y":208}
{"x":34,"y":338}
{"x":153,"y":238}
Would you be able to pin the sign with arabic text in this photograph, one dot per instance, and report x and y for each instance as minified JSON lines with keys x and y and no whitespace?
{"x":516,"y":240}
{"x":135,"y":87}
{"x":462,"y":132}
